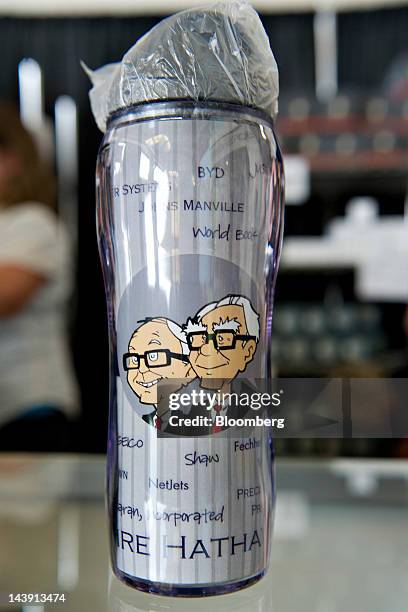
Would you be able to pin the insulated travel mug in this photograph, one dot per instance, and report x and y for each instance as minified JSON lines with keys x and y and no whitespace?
{"x":190,"y":218}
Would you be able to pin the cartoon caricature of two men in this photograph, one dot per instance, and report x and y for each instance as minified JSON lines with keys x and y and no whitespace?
{"x":214,"y":346}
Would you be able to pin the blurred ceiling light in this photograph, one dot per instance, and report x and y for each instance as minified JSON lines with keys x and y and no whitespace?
{"x":325,"y":39}
{"x":66,"y":136}
{"x":30,"y":84}
{"x":31,"y":93}
{"x":66,"y":142}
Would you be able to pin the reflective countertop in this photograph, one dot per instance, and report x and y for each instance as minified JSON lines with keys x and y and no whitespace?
{"x":340,"y":539}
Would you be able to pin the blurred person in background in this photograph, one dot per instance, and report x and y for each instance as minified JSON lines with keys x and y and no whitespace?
{"x":38,"y":392}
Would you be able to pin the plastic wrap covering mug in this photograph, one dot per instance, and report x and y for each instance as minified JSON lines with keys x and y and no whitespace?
{"x":190,"y":218}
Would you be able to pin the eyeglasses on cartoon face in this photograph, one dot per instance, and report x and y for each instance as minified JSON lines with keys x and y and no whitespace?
{"x":152,"y":359}
{"x":223,"y":340}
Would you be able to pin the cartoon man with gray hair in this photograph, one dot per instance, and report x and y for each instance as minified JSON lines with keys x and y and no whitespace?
{"x":157,"y":350}
{"x":222,"y":338}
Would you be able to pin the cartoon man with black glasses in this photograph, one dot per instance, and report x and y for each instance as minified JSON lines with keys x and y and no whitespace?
{"x":157,"y":350}
{"x":222,"y":338}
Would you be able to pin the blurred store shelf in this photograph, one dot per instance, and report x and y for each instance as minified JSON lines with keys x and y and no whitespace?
{"x":353,"y":133}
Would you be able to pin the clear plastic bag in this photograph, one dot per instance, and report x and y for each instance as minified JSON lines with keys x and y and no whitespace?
{"x":217,"y":52}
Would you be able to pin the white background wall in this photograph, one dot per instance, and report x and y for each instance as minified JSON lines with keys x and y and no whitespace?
{"x":150,"y":7}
